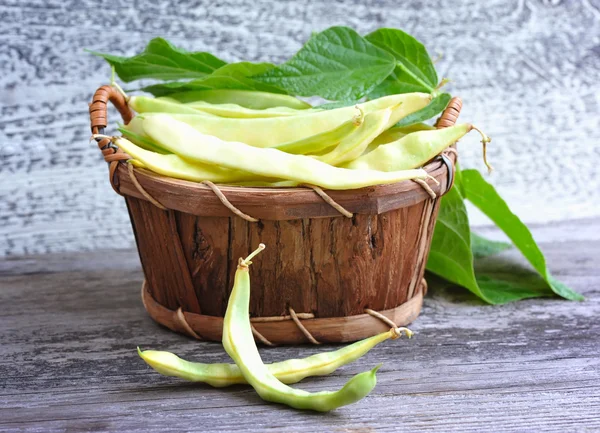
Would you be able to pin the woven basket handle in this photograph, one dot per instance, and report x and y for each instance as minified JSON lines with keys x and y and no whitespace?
{"x":447,"y":119}
{"x":450,"y":114}
{"x":99,"y":108}
{"x":99,"y":121}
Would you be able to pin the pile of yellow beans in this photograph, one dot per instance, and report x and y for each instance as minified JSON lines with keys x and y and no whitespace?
{"x":241,"y":137}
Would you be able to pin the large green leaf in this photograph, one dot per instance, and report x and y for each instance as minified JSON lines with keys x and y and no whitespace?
{"x":435,"y":107}
{"x":414,"y":71}
{"x":483,"y":247}
{"x":163,"y":61}
{"x":230,"y":76}
{"x":451,"y":258}
{"x":336,"y":64}
{"x":485,"y":197}
{"x":450,"y":255}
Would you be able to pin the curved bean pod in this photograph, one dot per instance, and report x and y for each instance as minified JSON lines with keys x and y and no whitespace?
{"x":187,"y":142}
{"x":320,"y":142}
{"x":141,"y":140}
{"x":174,"y":166}
{"x":273,"y":131}
{"x":414,"y":149}
{"x":246,"y":98}
{"x":396,"y":133}
{"x":354,"y":145}
{"x":144,"y":104}
{"x":238,"y":342}
{"x":238,"y":112}
{"x":289,"y":371}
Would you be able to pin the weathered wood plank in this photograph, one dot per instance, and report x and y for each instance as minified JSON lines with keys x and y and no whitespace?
{"x":69,"y":325}
{"x":528,"y":71}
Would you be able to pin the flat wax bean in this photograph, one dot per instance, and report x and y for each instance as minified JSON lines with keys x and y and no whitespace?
{"x":396,"y":133}
{"x":238,"y":112}
{"x":354,"y":145}
{"x":412,"y":150}
{"x":246,"y":98}
{"x":177,"y":167}
{"x":192,"y":145}
{"x":272,"y":131}
{"x":144,"y":104}
{"x":238,"y":342}
{"x":141,"y":140}
{"x":289,"y":371}
{"x":319,"y":142}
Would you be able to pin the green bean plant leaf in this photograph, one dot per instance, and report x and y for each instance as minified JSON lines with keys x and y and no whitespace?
{"x":485,"y":197}
{"x":451,"y":258}
{"x":450,"y":255}
{"x":336,"y":64}
{"x":483,"y":247}
{"x":230,"y":76}
{"x":163,"y":61}
{"x":435,"y":107}
{"x":414,"y":71}
{"x":459,"y":258}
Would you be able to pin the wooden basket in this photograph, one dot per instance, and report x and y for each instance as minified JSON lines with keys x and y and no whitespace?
{"x":322,"y":278}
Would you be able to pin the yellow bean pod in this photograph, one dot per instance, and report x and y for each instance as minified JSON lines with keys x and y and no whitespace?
{"x":273,"y":131}
{"x":246,"y":98}
{"x":174,"y":166}
{"x":354,"y":144}
{"x":289,"y":371}
{"x":240,"y":346}
{"x":144,"y":104}
{"x":195,"y":147}
{"x":238,"y":112}
{"x":321,"y":142}
{"x":396,"y":133}
{"x":412,"y":150}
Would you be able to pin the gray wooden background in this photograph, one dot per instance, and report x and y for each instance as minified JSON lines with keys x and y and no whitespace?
{"x":528,"y":71}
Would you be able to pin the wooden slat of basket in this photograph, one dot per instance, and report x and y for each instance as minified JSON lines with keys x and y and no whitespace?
{"x":279,"y":203}
{"x":324,"y":330}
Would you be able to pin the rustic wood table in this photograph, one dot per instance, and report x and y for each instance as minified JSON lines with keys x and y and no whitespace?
{"x":69,"y":325}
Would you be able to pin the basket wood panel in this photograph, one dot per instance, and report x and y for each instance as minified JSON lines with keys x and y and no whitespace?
{"x":330,"y":267}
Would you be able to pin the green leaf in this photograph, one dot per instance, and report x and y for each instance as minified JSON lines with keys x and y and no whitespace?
{"x":450,"y":255}
{"x":336,"y":64}
{"x":485,"y":197}
{"x":163,"y":61}
{"x":451,"y":258}
{"x":482,"y":247}
{"x":230,"y":76}
{"x":414,"y":71}
{"x":504,"y":286}
{"x":435,"y":107}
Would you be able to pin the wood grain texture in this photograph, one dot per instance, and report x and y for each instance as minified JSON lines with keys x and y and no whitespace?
{"x":69,"y":324}
{"x":328,"y":267}
{"x":528,"y":72}
{"x":281,"y":203}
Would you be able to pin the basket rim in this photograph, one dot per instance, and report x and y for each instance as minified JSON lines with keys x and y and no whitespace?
{"x":280,"y":203}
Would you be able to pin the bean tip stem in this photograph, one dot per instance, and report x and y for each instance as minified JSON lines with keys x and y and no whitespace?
{"x":246,"y":262}
{"x":484,"y":142}
{"x":359,"y":117}
{"x":376,"y":368}
{"x":397,"y":332}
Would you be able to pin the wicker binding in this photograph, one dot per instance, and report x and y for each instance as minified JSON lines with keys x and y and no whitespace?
{"x":323,"y":277}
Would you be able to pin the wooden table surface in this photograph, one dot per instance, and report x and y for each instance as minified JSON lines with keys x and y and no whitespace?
{"x":69,"y":325}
